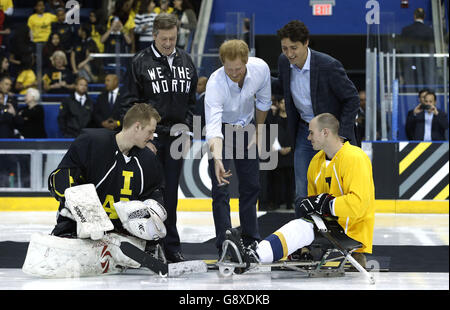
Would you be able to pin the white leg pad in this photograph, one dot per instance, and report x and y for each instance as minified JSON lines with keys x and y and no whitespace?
{"x":55,"y":257}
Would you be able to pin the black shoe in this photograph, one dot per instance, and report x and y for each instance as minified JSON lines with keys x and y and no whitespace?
{"x":175,"y":257}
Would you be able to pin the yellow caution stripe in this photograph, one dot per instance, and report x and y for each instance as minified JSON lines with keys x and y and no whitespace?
{"x":412,"y":156}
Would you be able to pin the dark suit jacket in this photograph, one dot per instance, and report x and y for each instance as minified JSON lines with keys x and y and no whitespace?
{"x":102,"y":109}
{"x":331,"y":91}
{"x":418,"y":31}
{"x":415,"y":126}
{"x":73,"y":117}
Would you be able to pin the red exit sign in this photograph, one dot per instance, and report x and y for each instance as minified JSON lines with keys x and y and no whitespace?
{"x":322,"y":9}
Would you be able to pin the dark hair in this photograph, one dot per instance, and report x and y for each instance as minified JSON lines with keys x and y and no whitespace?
{"x":144,"y":5}
{"x":81,"y":78}
{"x":87,"y":29}
{"x":424,"y":90}
{"x":419,"y":13}
{"x":295,"y":30}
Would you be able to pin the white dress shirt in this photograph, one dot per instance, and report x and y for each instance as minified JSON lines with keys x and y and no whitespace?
{"x":114,"y":94}
{"x":428,"y":123}
{"x":169,"y":58}
{"x":226,"y":102}
{"x":80,"y":99}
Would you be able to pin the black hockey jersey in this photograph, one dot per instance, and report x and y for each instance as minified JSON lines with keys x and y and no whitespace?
{"x":99,"y":161}
{"x":169,"y":89}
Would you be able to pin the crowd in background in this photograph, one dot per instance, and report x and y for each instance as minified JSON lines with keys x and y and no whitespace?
{"x":112,"y":26}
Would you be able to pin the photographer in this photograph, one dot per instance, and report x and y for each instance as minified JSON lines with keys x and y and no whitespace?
{"x":425,"y":121}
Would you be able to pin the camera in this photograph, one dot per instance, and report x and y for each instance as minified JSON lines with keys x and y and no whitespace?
{"x":425,"y":107}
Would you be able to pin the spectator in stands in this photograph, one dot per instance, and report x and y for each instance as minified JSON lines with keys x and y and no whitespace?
{"x":360,"y":122}
{"x":7,"y":6}
{"x":311,"y":83}
{"x":52,"y":45}
{"x":7,"y":115}
{"x":58,"y":79}
{"x":27,"y":77}
{"x":4,"y":65}
{"x":21,"y":48}
{"x":417,"y":38}
{"x":104,"y":113}
{"x":425,"y":122}
{"x":200,"y":104}
{"x":164,"y":7}
{"x":5,"y":89}
{"x":82,"y":63}
{"x":66,"y":31}
{"x":40,"y":23}
{"x":120,"y":29}
{"x":97,"y":29}
{"x":75,"y":112}
{"x":54,"y":5}
{"x":5,"y":30}
{"x":31,"y":117}
{"x":144,"y":24}
{"x":188,"y":21}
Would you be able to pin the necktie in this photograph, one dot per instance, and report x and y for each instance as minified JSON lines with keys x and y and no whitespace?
{"x":111,"y":100}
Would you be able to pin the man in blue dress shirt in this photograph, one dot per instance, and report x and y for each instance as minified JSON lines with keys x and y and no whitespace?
{"x":233,"y":93}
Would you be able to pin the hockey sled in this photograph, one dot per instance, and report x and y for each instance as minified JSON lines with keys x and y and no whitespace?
{"x":331,"y":246}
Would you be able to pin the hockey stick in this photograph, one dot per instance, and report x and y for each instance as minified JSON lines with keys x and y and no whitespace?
{"x":158,"y":267}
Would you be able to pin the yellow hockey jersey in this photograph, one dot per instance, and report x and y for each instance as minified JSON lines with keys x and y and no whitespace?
{"x":348,"y":177}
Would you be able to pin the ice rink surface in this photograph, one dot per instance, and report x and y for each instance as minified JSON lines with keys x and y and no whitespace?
{"x":390,"y":229}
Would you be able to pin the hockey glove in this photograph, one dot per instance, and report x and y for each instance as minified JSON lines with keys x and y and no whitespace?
{"x":319,"y":204}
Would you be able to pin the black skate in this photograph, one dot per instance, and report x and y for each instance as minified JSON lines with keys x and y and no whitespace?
{"x":233,"y":247}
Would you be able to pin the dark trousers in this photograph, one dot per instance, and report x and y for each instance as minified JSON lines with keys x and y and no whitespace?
{"x":172,"y":170}
{"x":247,"y":170}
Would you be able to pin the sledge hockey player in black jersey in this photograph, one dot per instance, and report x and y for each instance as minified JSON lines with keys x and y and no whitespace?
{"x":110,"y":190}
{"x":120,"y":166}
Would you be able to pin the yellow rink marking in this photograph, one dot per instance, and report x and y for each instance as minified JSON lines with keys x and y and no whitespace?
{"x":205,"y":205}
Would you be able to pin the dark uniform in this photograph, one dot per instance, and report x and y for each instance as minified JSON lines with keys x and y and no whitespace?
{"x":94,"y":157}
{"x":171,"y":91}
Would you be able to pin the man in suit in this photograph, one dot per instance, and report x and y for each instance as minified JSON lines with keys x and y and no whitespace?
{"x":425,"y":121}
{"x":417,"y":38}
{"x":104,"y":113}
{"x":75,"y":111}
{"x":311,"y":83}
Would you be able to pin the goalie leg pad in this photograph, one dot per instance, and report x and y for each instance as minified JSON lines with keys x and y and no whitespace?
{"x":55,"y":257}
{"x":86,"y":208}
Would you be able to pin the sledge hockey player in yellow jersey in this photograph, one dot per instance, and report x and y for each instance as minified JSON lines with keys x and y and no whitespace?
{"x":340,"y":184}
{"x":347,"y":176}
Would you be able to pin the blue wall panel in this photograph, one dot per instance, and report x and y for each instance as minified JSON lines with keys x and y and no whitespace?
{"x":348,"y":15}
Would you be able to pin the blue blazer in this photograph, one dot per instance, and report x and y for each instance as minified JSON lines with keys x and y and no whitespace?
{"x":331,"y":91}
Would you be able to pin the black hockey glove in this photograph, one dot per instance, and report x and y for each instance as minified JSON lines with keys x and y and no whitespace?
{"x":319,"y":204}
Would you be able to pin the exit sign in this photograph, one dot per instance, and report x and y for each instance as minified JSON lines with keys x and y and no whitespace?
{"x":322,"y":9}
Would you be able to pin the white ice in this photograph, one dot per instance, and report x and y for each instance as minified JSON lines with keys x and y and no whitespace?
{"x":390,"y":229}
